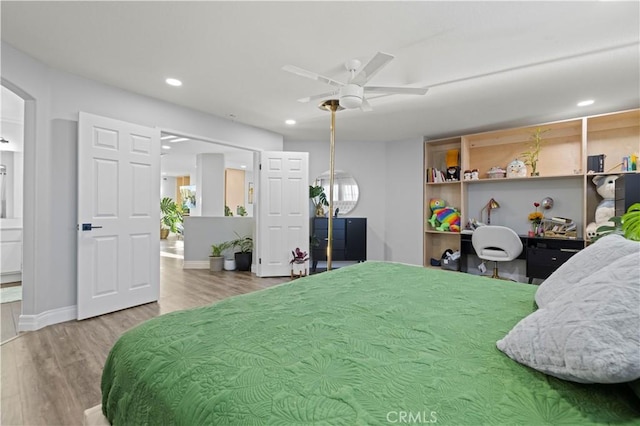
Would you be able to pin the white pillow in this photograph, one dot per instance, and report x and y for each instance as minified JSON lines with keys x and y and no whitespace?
{"x":584,"y":264}
{"x":590,"y":333}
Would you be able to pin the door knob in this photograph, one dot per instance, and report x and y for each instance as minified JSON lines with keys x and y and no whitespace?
{"x":89,"y":227}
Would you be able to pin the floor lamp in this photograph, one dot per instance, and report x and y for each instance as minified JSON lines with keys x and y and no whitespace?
{"x":332,"y":105}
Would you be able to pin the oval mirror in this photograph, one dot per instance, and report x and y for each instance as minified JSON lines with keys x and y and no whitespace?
{"x":345,"y":190}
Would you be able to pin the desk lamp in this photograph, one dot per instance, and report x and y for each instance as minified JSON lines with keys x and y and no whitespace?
{"x":492,"y":204}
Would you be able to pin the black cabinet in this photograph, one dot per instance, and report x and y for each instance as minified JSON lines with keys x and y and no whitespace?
{"x":627,"y":192}
{"x":545,"y":255}
{"x":349,"y":239}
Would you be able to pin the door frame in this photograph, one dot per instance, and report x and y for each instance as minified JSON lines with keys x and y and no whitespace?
{"x":29,"y":256}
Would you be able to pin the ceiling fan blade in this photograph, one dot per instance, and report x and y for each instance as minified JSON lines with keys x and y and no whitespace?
{"x":365,"y":106}
{"x":312,"y":75}
{"x":372,"y":68}
{"x":316,"y":97}
{"x":399,"y":90}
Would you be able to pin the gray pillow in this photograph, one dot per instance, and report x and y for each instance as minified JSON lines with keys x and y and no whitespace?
{"x":590,"y":333}
{"x":584,"y":264}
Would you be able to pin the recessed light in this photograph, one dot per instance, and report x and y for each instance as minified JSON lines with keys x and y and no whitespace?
{"x":166,"y":147}
{"x":586,"y":103}
{"x":167,"y":137}
{"x":290,"y":122}
{"x":242,"y":166}
{"x":180,"y":140}
{"x":173,"y":82}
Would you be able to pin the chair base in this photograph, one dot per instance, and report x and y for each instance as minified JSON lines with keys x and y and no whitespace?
{"x":495,"y":273}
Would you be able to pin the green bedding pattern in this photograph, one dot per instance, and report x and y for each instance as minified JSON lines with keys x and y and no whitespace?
{"x":374,"y":343}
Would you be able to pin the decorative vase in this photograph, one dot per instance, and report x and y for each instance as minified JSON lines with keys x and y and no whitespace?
{"x":319,"y":210}
{"x":243,"y":261}
{"x":216,"y":263}
{"x":229,"y":264}
{"x":298,"y":269}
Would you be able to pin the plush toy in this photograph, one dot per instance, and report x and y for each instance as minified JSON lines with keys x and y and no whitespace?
{"x":606,"y":209}
{"x":444,"y":218}
{"x":516,"y":168}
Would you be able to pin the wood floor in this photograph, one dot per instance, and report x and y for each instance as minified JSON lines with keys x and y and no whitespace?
{"x":50,"y":376}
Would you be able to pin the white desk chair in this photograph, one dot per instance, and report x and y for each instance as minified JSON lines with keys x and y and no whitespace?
{"x":497,"y":244}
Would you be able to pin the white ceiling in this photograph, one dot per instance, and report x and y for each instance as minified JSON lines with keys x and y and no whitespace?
{"x":488,"y":64}
{"x":179,"y":159}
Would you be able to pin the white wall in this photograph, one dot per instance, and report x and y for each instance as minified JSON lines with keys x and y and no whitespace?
{"x":168,"y":187}
{"x":403,"y":225}
{"x":55,"y":98}
{"x":200,"y":232}
{"x":209,"y":185}
{"x":367,"y":163}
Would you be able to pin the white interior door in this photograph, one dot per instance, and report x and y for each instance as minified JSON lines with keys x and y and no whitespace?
{"x":118,"y":215}
{"x":281,"y":210}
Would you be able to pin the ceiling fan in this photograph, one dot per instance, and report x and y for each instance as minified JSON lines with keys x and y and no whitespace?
{"x":352,"y":94}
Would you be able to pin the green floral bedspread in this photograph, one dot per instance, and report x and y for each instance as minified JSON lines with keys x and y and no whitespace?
{"x":373,"y":343}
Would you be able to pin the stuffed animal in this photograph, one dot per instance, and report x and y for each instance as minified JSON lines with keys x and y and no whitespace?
{"x":444,"y":218}
{"x":606,"y":209}
{"x":453,"y":173}
{"x":516,"y":168}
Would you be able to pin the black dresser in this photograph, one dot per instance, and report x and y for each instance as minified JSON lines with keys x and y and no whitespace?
{"x":627,"y":192}
{"x":349,"y":239}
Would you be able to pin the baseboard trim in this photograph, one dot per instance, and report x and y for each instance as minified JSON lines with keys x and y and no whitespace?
{"x":195,"y":264}
{"x":54,"y":316}
{"x":10,"y":277}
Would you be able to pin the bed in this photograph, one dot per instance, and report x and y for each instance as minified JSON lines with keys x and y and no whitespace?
{"x":373,"y":343}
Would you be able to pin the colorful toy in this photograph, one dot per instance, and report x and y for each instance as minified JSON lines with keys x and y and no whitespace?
{"x":606,"y":209}
{"x":444,"y":218}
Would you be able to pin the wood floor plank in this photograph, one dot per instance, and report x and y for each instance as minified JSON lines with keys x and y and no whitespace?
{"x":11,"y":409}
{"x":9,"y":314}
{"x":50,"y":376}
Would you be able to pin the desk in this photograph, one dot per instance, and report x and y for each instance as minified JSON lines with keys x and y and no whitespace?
{"x":543,"y":255}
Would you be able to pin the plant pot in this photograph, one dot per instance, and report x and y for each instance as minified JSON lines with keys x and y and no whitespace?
{"x":216,"y":263}
{"x":229,"y":264}
{"x":243,"y":261}
{"x":164,"y":233}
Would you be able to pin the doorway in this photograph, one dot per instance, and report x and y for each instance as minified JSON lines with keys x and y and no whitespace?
{"x":196,"y":174}
{"x":12,"y":112}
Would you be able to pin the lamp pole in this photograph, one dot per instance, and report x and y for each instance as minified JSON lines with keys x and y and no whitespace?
{"x":332,"y":105}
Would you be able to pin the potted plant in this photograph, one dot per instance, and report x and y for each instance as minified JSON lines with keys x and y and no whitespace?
{"x":216,"y":259}
{"x":170,"y":218}
{"x":244,"y":256}
{"x":531,"y":156}
{"x":318,"y":198}
{"x":628,"y":225}
{"x":298,"y":263}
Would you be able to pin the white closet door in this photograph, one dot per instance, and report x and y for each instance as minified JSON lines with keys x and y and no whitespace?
{"x":282,"y":210}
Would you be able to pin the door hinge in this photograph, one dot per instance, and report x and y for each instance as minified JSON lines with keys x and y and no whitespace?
{"x":259,"y":261}
{"x":260,"y":166}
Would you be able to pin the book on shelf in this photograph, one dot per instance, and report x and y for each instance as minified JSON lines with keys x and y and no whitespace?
{"x":435,"y":176}
{"x":559,"y":219}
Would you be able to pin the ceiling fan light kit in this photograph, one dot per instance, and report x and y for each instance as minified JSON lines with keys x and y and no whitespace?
{"x":351,"y":96}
